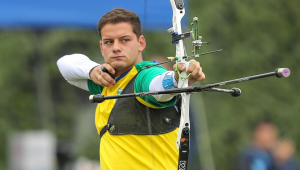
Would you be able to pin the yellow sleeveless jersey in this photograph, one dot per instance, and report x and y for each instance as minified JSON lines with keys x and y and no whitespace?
{"x":134,"y":152}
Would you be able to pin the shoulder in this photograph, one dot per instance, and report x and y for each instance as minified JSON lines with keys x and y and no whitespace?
{"x":147,"y":74}
{"x":153,"y":71}
{"x":143,"y":66}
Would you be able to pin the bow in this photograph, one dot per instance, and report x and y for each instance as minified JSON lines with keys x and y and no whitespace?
{"x":183,"y":137}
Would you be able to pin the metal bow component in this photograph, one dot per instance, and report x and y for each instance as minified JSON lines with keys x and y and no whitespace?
{"x":183,"y":137}
{"x":280,"y":72}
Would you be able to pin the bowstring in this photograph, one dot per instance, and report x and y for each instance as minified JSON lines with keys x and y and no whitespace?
{"x":146,"y":98}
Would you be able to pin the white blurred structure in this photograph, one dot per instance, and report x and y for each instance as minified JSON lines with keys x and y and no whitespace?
{"x":32,"y":150}
{"x":86,"y":164}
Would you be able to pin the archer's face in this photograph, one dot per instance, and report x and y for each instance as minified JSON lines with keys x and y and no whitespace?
{"x":120,"y":47}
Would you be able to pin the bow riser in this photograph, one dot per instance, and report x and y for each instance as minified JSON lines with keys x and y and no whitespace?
{"x":183,"y":137}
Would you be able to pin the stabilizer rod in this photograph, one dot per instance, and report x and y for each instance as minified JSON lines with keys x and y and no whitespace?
{"x":280,"y":72}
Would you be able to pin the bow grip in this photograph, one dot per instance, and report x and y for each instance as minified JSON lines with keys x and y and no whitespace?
{"x":183,"y":80}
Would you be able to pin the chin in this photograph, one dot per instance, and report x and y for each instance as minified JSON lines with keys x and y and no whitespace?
{"x":119,"y":65}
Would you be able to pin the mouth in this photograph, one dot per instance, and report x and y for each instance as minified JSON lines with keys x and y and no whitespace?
{"x":117,"y":57}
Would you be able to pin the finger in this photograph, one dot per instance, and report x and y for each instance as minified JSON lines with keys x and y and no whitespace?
{"x":109,"y":68}
{"x":107,"y":73}
{"x":201,"y":78}
{"x":180,"y":66}
{"x":103,"y":82}
{"x":104,"y":70}
{"x":94,"y":73}
{"x":194,"y":69}
{"x":107,"y":78}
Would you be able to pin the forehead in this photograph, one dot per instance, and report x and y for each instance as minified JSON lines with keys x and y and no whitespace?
{"x":120,"y":29}
{"x":266,"y":128}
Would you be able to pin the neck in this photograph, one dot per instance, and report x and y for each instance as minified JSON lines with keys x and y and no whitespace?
{"x":120,"y":71}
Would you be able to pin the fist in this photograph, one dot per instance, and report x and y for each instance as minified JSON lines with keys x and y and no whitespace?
{"x":194,"y":68}
{"x":103,"y":78}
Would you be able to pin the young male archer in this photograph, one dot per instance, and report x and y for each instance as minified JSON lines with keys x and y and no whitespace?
{"x":133,"y":132}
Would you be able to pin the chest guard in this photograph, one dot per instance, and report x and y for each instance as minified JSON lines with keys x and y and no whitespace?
{"x":129,"y":116}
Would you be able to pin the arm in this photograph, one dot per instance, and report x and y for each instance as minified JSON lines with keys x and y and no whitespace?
{"x":159,"y":79}
{"x":163,"y":82}
{"x":169,"y":80}
{"x":76,"y":68}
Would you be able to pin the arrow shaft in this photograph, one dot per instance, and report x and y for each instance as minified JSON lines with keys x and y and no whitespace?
{"x":100,"y":98}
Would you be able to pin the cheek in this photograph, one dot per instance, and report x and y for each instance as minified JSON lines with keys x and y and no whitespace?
{"x":105,"y":51}
{"x":136,"y":49}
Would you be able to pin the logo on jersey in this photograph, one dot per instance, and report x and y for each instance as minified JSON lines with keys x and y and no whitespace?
{"x":118,"y":93}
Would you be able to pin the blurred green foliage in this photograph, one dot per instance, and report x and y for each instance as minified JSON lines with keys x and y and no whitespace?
{"x":257,"y":37}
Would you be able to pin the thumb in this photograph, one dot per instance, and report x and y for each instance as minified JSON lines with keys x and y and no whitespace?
{"x":180,"y":67}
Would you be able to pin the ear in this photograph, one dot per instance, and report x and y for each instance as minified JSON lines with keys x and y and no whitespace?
{"x":142,"y":42}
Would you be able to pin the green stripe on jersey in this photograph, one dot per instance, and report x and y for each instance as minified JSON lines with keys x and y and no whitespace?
{"x":94,"y":88}
{"x":142,"y":82}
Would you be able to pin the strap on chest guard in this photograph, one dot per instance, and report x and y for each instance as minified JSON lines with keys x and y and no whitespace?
{"x":129,"y":116}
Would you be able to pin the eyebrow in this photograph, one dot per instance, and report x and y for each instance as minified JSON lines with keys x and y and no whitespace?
{"x":125,"y":36}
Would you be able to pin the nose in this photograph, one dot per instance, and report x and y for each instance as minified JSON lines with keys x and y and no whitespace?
{"x":116,"y":47}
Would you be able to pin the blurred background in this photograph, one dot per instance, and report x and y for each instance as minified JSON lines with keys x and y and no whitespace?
{"x":47,"y":124}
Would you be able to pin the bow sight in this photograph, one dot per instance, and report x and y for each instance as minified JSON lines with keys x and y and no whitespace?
{"x":194,"y":34}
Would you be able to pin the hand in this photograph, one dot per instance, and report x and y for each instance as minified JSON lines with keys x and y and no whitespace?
{"x":195,"y":69}
{"x":102,"y":78}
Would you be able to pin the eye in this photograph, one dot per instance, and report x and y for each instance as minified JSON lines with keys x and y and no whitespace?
{"x":126,"y":40}
{"x":108,"y":42}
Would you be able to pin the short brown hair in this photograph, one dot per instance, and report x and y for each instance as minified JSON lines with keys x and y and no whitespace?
{"x":118,"y":15}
